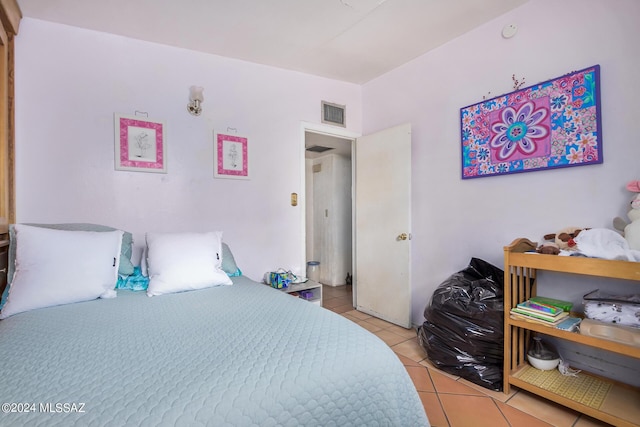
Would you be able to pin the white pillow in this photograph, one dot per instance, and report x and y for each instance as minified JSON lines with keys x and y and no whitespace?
{"x":143,"y":262}
{"x":55,"y":267}
{"x":184,"y":261}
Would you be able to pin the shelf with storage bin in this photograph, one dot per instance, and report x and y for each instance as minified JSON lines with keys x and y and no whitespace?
{"x":597,"y":397}
{"x":309,"y":286}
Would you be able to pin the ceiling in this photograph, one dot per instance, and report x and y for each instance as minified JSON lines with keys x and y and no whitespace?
{"x":331,"y":145}
{"x":349,"y":40}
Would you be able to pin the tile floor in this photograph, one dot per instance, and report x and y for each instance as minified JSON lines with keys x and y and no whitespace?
{"x":444,"y":395}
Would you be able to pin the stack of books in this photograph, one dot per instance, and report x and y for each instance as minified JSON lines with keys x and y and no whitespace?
{"x":547,"y":311}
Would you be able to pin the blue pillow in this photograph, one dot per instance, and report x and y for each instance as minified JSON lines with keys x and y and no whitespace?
{"x":134,"y":282}
{"x":229,"y":263}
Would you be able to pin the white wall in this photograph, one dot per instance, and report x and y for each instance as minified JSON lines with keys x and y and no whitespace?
{"x":70,"y":82}
{"x":454,"y":220}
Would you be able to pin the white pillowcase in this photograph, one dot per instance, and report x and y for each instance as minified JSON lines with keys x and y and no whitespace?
{"x":184,"y":261}
{"x":55,"y":267}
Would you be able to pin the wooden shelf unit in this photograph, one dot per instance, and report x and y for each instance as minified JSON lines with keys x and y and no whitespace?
{"x":621,"y":406}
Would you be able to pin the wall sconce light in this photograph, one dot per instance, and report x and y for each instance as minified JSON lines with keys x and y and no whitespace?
{"x":195,"y":99}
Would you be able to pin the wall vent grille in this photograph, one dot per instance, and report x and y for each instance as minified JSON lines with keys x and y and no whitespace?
{"x":319,"y":149}
{"x":333,"y":114}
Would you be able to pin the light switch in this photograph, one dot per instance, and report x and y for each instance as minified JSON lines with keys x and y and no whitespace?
{"x":294,"y":199}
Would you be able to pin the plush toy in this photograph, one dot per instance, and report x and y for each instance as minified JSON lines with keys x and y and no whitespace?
{"x":631,"y":231}
{"x":564,"y":239}
{"x":548,"y":248}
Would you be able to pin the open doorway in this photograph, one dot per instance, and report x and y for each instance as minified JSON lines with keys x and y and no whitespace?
{"x":381,"y":224}
{"x":329,"y":205}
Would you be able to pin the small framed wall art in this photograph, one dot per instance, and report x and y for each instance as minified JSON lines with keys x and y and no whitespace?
{"x":230,"y":156}
{"x":140,"y":144}
{"x":553,"y":124}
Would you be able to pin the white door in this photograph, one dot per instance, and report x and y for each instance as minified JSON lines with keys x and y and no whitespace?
{"x":383,"y":225}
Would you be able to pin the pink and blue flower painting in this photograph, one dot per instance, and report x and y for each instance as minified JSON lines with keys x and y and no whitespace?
{"x":553,"y":124}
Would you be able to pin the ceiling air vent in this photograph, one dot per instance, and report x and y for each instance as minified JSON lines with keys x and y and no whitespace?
{"x":333,"y":114}
{"x":319,"y":149}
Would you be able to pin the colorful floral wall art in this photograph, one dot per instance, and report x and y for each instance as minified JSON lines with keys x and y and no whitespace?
{"x":553,"y":124}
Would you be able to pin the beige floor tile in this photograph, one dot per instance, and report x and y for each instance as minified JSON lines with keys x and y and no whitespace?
{"x":457,"y":402}
{"x":624,"y":402}
{"x":498,"y":395}
{"x":408,"y":362}
{"x":420,"y":377}
{"x":433,"y":408}
{"x":428,"y":364}
{"x":335,"y":302}
{"x":382,"y":323}
{"x":554,"y":414}
{"x":346,"y":299}
{"x":358,"y":314}
{"x":341,"y":308}
{"x":410,"y":349}
{"x":472,"y":411}
{"x":517,"y":418}
{"x":368,"y":326}
{"x":326,"y":301}
{"x":585,"y":421}
{"x":373,"y":325}
{"x":336,"y":290}
{"x":407,"y":333}
{"x":350,"y":317}
{"x":445,"y":384}
{"x":389,"y":338}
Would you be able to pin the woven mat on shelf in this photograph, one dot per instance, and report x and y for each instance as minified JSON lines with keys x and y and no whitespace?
{"x":585,"y":389}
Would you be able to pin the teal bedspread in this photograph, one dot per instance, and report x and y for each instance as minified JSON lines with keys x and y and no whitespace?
{"x":241,"y":355}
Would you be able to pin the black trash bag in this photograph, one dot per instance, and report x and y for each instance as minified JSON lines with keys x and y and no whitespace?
{"x":463,"y":332}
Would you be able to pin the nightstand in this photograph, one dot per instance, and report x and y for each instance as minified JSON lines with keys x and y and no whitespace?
{"x":314,"y":288}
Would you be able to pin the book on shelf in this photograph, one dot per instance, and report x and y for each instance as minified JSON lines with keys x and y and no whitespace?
{"x":569,"y":324}
{"x":563,"y":305}
{"x":537,"y":317}
{"x":541,"y":308}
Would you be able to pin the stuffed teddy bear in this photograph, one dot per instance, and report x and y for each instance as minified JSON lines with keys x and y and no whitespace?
{"x":563,"y":239}
{"x":631,"y":231}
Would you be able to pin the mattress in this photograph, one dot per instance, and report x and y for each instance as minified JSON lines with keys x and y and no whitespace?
{"x":240,"y":355}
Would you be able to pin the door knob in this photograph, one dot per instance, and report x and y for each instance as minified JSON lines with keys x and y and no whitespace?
{"x":403,"y":236}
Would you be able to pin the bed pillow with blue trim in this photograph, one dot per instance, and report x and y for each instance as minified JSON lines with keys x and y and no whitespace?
{"x":178,"y":262}
{"x":229,"y":265}
{"x":125,"y":267}
{"x":46,"y":268}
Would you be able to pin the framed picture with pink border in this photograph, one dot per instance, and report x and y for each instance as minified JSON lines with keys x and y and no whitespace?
{"x":140,"y":144}
{"x":230,"y":156}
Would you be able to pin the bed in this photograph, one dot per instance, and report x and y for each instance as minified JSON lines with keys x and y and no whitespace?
{"x":238,"y":354}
